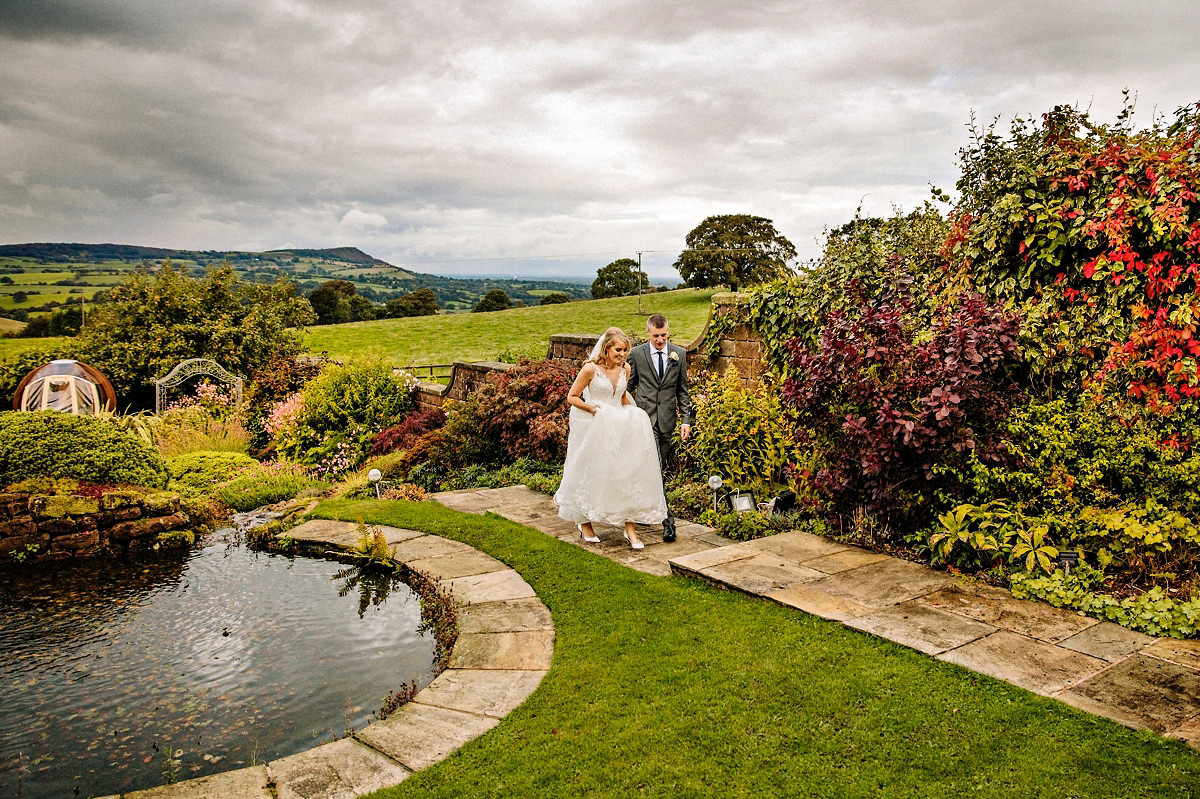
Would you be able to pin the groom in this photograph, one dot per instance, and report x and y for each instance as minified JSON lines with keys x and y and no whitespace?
{"x":659,"y":383}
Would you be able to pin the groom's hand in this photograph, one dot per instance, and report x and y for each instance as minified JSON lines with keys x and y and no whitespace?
{"x":685,"y":430}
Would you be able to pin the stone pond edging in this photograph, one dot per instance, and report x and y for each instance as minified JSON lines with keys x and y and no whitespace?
{"x":37,"y":528}
{"x":504,"y":648}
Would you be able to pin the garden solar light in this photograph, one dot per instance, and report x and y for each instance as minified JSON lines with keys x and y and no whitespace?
{"x":375,"y":476}
{"x":715,"y":482}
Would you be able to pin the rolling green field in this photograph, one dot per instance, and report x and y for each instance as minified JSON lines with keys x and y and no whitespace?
{"x":446,"y":338}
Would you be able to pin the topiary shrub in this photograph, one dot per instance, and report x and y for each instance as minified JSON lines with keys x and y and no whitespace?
{"x":195,"y":473}
{"x":54,"y":444}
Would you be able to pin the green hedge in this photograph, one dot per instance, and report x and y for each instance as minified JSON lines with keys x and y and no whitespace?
{"x":56,"y":444}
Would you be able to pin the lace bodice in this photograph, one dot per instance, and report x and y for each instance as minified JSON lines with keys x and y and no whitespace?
{"x":603,"y":392}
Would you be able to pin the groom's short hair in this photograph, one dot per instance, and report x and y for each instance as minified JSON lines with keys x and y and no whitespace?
{"x":656,"y":320}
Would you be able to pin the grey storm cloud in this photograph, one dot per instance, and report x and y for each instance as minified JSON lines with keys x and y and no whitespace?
{"x":435,"y":134}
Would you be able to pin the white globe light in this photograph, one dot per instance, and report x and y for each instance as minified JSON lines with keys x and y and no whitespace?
{"x":715,"y":482}
{"x":374,"y":475}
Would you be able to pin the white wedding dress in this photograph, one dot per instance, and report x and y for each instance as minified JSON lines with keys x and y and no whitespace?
{"x":611,"y":475}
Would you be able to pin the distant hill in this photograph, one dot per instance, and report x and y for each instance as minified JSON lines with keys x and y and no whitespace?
{"x":84,"y":269}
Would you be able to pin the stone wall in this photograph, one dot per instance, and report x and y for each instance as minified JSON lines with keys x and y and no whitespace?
{"x":36,"y":527}
{"x":739,"y":349}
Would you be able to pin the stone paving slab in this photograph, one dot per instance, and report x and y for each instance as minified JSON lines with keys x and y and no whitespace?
{"x":513,"y":615}
{"x":1108,"y":641}
{"x":456,"y":564}
{"x":1155,"y":694}
{"x":492,"y":587}
{"x":696,"y":563}
{"x":530,"y":650}
{"x":419,"y":735}
{"x":845,"y":560}
{"x":484,"y":692}
{"x":343,"y":534}
{"x":998,"y":607}
{"x":246,"y":783}
{"x":428,"y":546}
{"x":1025,"y":662}
{"x":797,"y":545}
{"x":921,"y":627}
{"x":339,"y":770}
{"x":760,"y":573}
{"x":1186,"y":653}
{"x":818,"y":603}
{"x":888,"y":582}
{"x":467,"y":501}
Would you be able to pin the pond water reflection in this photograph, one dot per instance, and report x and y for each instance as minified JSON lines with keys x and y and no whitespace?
{"x":120,"y":675}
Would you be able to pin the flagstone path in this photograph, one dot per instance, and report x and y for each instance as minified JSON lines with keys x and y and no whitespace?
{"x":1102,"y":668}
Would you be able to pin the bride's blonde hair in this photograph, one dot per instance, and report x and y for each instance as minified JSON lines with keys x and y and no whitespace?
{"x":606,"y":341}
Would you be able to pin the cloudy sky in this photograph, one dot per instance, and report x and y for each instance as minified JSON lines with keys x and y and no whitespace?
{"x":547,"y":136}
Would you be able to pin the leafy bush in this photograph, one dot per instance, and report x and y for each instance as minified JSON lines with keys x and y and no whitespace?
{"x":688,"y":499}
{"x":526,"y":409}
{"x":1096,"y":229}
{"x":402,"y":436}
{"x":337,"y":414}
{"x":281,"y":377}
{"x":977,"y":537}
{"x":195,"y":473}
{"x":152,"y":322}
{"x":738,"y":526}
{"x":1070,"y":453}
{"x":264,"y":484}
{"x":897,"y":412}
{"x":741,"y":433}
{"x":50,"y":443}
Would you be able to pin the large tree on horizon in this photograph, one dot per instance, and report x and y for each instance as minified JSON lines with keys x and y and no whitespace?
{"x":734,"y":250}
{"x":619,"y":279}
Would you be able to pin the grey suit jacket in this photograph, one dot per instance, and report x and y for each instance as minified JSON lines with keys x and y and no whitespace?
{"x":667,"y":400}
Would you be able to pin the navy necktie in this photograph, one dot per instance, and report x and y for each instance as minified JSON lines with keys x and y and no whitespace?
{"x":661,"y":370}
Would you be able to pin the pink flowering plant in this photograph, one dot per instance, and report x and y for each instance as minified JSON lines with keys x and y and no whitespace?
{"x":331,"y":423}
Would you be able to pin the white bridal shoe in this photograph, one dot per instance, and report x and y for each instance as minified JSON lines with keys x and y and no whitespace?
{"x":633,"y":544}
{"x":592,"y":539}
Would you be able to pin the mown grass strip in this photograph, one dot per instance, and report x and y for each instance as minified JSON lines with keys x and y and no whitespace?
{"x":666,"y":687}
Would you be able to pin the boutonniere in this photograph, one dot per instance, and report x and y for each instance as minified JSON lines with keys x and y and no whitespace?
{"x":674,"y":356}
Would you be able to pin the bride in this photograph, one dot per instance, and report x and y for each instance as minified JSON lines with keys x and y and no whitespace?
{"x":611,"y":474}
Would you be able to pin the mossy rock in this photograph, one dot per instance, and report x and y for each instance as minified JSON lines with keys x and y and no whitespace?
{"x":175,"y":539}
{"x":160,"y":502}
{"x":113,"y":500}
{"x":58,"y":505}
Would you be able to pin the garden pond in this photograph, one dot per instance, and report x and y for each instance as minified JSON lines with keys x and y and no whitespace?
{"x":119,"y":675}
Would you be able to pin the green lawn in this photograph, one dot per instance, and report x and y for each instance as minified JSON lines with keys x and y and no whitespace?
{"x":12,"y":347}
{"x":479,"y":337}
{"x":667,"y":687}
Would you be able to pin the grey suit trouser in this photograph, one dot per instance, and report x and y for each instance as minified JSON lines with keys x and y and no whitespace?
{"x":663,"y":442}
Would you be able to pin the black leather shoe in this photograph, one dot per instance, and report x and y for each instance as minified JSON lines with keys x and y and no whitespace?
{"x":669,"y":532}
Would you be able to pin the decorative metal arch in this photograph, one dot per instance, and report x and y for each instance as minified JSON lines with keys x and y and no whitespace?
{"x":185,"y":370}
